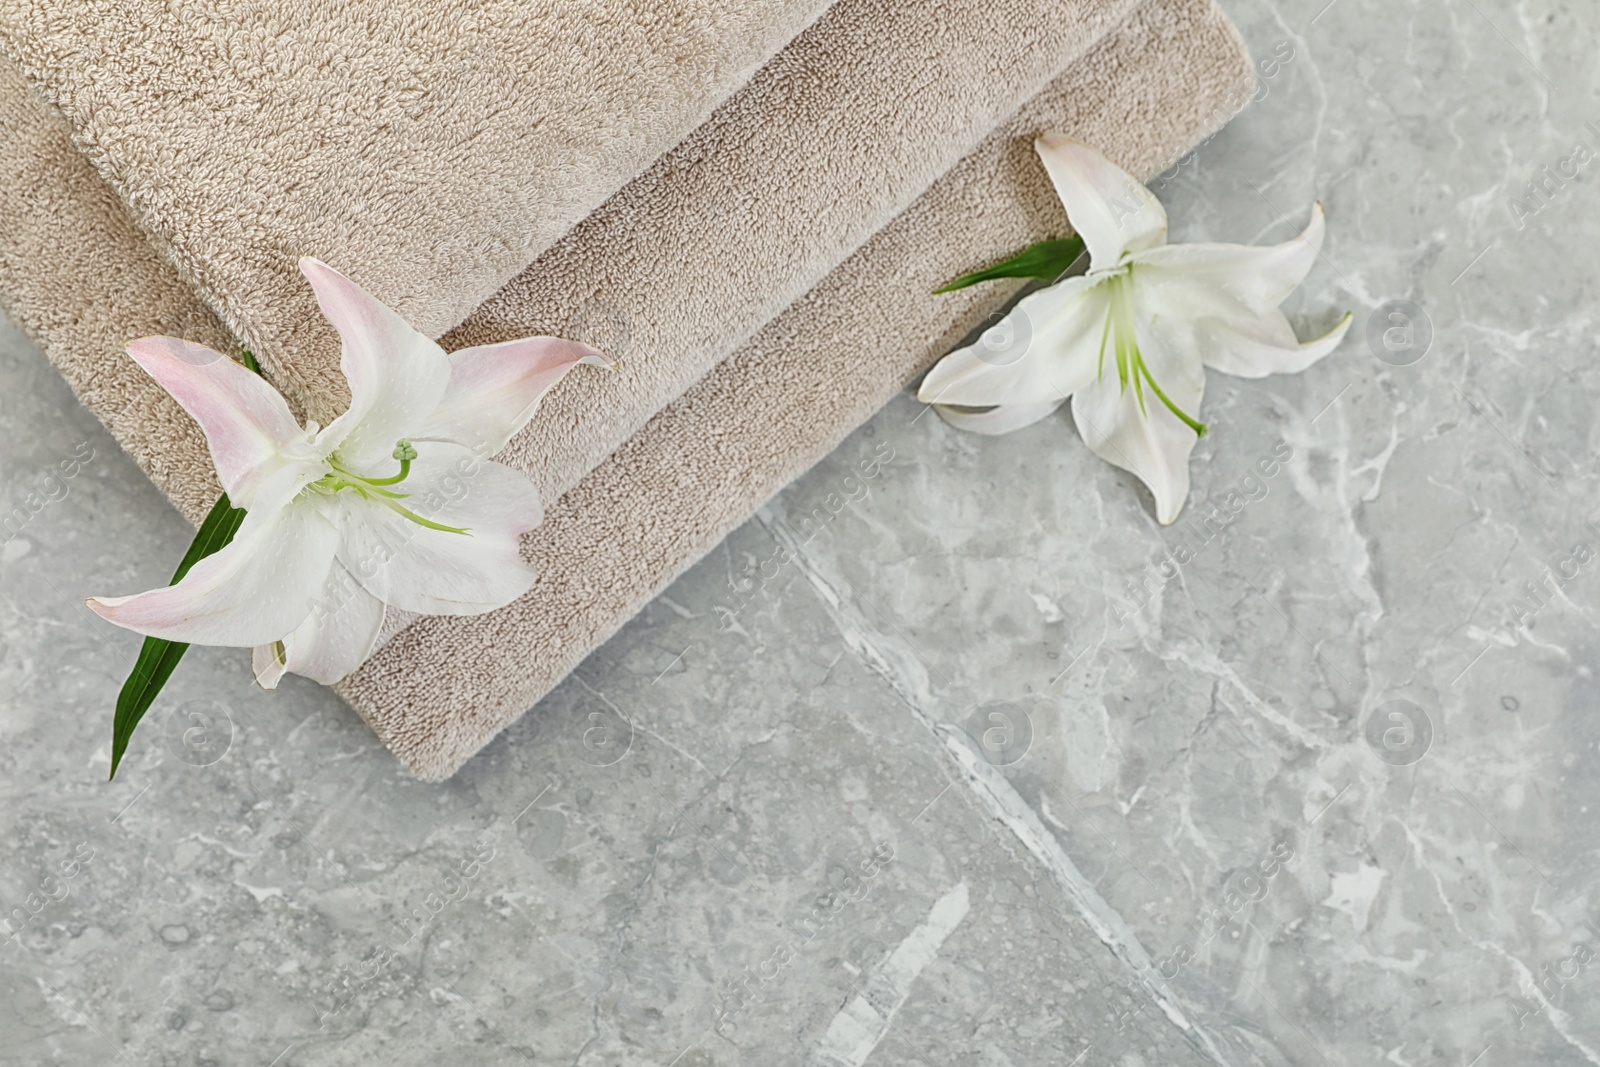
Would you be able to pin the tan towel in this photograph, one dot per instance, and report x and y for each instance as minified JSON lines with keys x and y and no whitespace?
{"x":243,"y":136}
{"x":831,"y":140}
{"x":444,"y":687}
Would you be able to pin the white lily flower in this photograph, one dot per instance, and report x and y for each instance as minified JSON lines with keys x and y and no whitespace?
{"x":392,"y":503}
{"x":1129,"y":341}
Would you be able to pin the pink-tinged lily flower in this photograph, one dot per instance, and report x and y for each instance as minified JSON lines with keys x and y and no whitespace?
{"x":392,"y":503}
{"x":1129,"y":341}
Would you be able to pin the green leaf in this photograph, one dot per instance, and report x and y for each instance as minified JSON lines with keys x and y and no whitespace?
{"x":157,"y":657}
{"x":250,"y":360}
{"x":1047,"y":260}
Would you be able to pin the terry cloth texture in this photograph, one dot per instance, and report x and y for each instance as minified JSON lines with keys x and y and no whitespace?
{"x":79,"y":277}
{"x":831,"y":140}
{"x":243,"y":136}
{"x":828,"y":143}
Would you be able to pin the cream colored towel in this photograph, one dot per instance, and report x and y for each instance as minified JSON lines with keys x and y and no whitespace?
{"x":431,"y":147}
{"x":443,"y":688}
{"x":831,"y":140}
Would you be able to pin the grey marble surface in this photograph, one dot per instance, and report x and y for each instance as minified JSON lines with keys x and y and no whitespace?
{"x":997,"y":771}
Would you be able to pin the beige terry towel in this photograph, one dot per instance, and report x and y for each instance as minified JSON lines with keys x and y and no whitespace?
{"x":829,"y":141}
{"x":827,"y":144}
{"x":81,"y":281}
{"x":243,"y":136}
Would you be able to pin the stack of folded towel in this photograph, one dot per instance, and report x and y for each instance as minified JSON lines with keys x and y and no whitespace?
{"x":747,"y":202}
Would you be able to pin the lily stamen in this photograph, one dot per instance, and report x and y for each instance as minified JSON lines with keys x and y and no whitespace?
{"x":405,"y":454}
{"x":406,"y":512}
{"x":1120,"y":329}
{"x":373,"y":489}
{"x":1190,"y":421}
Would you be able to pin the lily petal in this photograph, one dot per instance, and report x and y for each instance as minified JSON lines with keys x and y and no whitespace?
{"x":333,"y":640}
{"x":1108,"y":207}
{"x":1266,"y":346}
{"x":255,"y":590}
{"x":433,"y":572}
{"x":1259,"y":278}
{"x":1148,"y":441}
{"x":247,"y":424}
{"x":267,"y":664}
{"x":494,"y":389}
{"x":1000,"y":420}
{"x":1045,"y":349}
{"x":396,"y":374}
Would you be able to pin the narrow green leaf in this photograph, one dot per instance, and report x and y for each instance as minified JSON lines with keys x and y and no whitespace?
{"x":1047,"y":260}
{"x":250,"y":360}
{"x":158,"y":658}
